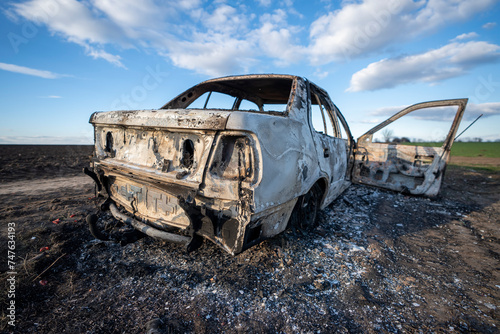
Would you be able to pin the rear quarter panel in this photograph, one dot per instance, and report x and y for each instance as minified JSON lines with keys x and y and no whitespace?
{"x":287,"y":155}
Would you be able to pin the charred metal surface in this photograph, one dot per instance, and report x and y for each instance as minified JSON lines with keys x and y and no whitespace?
{"x":124,"y":237}
{"x":413,"y":169}
{"x":94,"y":230}
{"x":234,"y":176}
{"x":162,"y":119}
{"x":260,"y":89}
{"x":148,"y":230}
{"x":94,"y":177}
{"x":416,"y":170}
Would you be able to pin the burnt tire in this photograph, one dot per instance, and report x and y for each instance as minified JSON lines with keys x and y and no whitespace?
{"x":305,"y":213}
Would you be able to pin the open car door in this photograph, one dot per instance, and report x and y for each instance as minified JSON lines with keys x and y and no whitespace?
{"x":417,"y":170}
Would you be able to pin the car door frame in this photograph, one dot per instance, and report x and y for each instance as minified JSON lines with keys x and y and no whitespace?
{"x":334,"y":153}
{"x":417,"y":170}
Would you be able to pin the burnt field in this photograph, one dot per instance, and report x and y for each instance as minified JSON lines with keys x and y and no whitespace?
{"x":378,"y":262}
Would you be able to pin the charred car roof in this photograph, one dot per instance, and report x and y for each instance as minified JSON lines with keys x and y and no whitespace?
{"x":258,"y":88}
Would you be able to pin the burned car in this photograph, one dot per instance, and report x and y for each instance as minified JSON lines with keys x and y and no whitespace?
{"x":237,"y":159}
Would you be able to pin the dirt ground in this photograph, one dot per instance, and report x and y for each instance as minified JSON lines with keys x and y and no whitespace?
{"x":379,"y":262}
{"x":476,"y":161}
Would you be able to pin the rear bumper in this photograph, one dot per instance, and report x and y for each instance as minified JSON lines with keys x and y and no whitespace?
{"x":153,"y":209}
{"x":156,"y":210}
{"x":146,"y":229}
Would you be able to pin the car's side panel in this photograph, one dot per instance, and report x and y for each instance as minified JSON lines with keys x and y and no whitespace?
{"x":288,"y":158}
{"x":335,"y":166}
{"x":331,"y":150}
{"x":414,"y":169}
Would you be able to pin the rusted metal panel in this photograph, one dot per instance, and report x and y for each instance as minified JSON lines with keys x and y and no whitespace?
{"x":178,"y":156}
{"x":414,"y":169}
{"x":159,"y":207}
{"x":162,"y":119}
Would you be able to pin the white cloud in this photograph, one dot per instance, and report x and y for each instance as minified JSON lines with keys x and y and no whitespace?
{"x":222,"y":36}
{"x":130,"y":14}
{"x":30,"y":71}
{"x":71,"y":19}
{"x":276,"y":43}
{"x":363,"y":27}
{"x":231,"y":45}
{"x":96,"y":54}
{"x":78,"y":22}
{"x":320,"y":74}
{"x":265,"y":3}
{"x":188,"y":4}
{"x":225,"y":19}
{"x":51,"y":97}
{"x":275,"y":39}
{"x":472,"y":111}
{"x":216,"y":56}
{"x":469,"y":35}
{"x":438,"y":12}
{"x":153,"y":24}
{"x":387,"y":111}
{"x":486,"y":109}
{"x":449,"y":61}
{"x":489,"y":25}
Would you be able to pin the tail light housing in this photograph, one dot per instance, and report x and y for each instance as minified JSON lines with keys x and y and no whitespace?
{"x":234,"y":165}
{"x":233,"y":159}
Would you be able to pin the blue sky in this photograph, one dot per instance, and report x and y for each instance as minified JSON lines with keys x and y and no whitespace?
{"x":61,"y":60}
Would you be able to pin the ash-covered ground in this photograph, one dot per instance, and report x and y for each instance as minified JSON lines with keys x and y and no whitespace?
{"x":379,"y":262}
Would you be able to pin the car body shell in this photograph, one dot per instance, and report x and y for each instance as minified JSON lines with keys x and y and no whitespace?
{"x":233,"y":175}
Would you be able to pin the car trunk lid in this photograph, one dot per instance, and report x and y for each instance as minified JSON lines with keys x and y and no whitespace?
{"x":149,"y":157}
{"x":165,"y":145}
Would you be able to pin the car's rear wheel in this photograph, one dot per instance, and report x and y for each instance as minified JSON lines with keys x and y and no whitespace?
{"x":304,"y":215}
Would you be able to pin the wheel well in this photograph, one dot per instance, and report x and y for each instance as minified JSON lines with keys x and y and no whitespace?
{"x":322,"y":184}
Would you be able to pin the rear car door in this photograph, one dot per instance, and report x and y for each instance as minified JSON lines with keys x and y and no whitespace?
{"x":332,"y":150}
{"x":413,"y":169}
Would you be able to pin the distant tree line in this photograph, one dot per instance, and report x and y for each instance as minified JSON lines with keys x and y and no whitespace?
{"x":388,"y":137}
{"x":477,"y":140}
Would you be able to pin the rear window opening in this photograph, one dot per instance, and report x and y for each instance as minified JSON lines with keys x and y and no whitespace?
{"x":268,"y":95}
